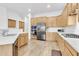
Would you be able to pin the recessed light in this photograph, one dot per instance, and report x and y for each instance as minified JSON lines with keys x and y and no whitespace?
{"x":48,"y":6}
{"x":29,"y":10}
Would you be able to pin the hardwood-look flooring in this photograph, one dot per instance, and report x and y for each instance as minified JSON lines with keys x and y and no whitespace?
{"x":38,"y":48}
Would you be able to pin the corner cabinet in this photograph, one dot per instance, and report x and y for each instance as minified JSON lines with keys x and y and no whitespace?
{"x":11,"y":23}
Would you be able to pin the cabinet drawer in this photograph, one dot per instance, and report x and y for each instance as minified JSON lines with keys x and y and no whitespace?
{"x":11,"y":23}
{"x":66,"y":52}
{"x":73,"y":52}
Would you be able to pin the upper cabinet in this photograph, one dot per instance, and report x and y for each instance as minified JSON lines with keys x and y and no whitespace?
{"x":72,"y":13}
{"x":67,"y":18}
{"x":71,"y":20}
{"x":51,"y":21}
{"x":71,"y":7}
{"x":11,"y":23}
{"x":21,"y":24}
{"x":78,"y":12}
{"x":36,"y":20}
{"x":61,"y":22}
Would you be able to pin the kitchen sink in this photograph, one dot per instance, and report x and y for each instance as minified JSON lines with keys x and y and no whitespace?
{"x":9,"y":35}
{"x":71,"y":35}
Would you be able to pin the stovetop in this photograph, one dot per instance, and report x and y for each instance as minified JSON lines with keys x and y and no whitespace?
{"x":71,"y":35}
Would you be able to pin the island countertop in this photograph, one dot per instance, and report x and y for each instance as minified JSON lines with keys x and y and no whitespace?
{"x":9,"y":39}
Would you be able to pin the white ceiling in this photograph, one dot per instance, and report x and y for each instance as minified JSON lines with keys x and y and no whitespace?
{"x":36,"y":8}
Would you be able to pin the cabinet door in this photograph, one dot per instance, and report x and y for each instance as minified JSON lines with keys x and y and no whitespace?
{"x":78,"y":13}
{"x":74,"y":6}
{"x":61,"y":21}
{"x":18,"y":42}
{"x":21,"y":25}
{"x":66,"y":52}
{"x":69,"y":8}
{"x":61,"y":44}
{"x":73,"y":52}
{"x":36,"y":20}
{"x":22,"y":40}
{"x":51,"y":36}
{"x":51,"y":22}
{"x":11,"y":23}
{"x":72,"y":20}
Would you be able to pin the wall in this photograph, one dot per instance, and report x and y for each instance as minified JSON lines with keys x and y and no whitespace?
{"x":70,"y":29}
{"x":15,"y":16}
{"x":3,"y":18}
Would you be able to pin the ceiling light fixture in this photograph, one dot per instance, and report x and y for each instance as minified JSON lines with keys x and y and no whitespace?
{"x":48,"y":6}
{"x":29,"y":10}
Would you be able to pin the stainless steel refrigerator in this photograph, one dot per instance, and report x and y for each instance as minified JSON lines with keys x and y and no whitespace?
{"x":41,"y":31}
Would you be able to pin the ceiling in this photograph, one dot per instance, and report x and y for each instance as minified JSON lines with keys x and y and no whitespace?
{"x":36,"y":8}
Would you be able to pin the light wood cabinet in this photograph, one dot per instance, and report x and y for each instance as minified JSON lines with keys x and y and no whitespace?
{"x":36,"y":20}
{"x":22,"y":40}
{"x":11,"y":23}
{"x":50,"y":36}
{"x":67,"y":17}
{"x":73,"y":52}
{"x":6,"y":50}
{"x":20,"y":44}
{"x":69,"y":8}
{"x":78,"y":13}
{"x":21,"y":24}
{"x":65,"y":48}
{"x":66,"y":52}
{"x":74,"y":6}
{"x":60,"y":42}
{"x":61,"y":22}
{"x":71,"y":20}
{"x":51,"y":21}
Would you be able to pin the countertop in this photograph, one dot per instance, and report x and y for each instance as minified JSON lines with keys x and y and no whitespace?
{"x":74,"y":42}
{"x":9,"y":39}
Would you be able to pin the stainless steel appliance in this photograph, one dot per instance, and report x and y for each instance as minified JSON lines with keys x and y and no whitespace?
{"x":41,"y":31}
{"x":71,"y":35}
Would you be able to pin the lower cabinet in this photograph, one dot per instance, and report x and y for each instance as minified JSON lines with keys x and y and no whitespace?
{"x":50,"y":36}
{"x":64,"y":47}
{"x":60,"y":42}
{"x":73,"y":52}
{"x":21,"y":41}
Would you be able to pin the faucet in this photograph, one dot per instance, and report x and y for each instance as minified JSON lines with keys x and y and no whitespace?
{"x":4,"y":32}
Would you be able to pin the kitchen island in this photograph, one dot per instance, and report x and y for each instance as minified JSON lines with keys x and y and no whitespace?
{"x":7,"y":44}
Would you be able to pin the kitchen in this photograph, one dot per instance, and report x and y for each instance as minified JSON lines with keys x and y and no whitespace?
{"x":35,"y":30}
{"x":62,"y":29}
